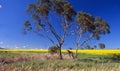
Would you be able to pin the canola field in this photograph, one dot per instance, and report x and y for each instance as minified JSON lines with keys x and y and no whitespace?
{"x":98,"y":52}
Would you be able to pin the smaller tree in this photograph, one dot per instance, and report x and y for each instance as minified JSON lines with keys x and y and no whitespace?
{"x":101,"y":45}
{"x":70,"y":48}
{"x":89,"y":28}
{"x":88,"y":47}
{"x":95,"y":46}
{"x":53,"y":49}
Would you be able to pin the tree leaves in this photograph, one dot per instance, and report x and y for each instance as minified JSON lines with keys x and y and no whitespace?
{"x":40,"y":26}
{"x":85,"y":21}
{"x":43,"y":10}
{"x":31,"y":7}
{"x":35,"y":17}
{"x":102,"y":26}
{"x":27,"y":25}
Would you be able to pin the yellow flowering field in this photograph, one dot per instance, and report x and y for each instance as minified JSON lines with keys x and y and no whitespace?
{"x":99,"y":52}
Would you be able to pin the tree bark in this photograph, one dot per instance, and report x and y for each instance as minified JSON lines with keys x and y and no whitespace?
{"x":76,"y":54}
{"x":60,"y":53}
{"x":77,"y":45}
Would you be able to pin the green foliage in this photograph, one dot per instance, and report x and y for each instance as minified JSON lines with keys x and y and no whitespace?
{"x":101,"y":45}
{"x":88,"y":47}
{"x":53,"y":49}
{"x":86,"y":24}
{"x":90,"y":26}
{"x":85,"y":21}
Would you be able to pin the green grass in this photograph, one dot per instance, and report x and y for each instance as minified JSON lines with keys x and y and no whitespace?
{"x":84,"y":61}
{"x":8,"y":54}
{"x":62,"y":64}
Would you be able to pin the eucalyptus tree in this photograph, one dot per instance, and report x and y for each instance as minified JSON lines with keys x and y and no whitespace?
{"x":91,"y":27}
{"x":41,"y":13}
{"x":81,"y":24}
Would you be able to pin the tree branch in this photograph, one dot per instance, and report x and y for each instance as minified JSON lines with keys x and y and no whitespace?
{"x":45,"y":36}
{"x":53,"y":31}
{"x":90,"y":37}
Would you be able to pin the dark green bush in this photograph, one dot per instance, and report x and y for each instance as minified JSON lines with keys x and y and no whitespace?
{"x":53,"y":49}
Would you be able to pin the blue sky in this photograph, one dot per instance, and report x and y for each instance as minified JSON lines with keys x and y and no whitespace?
{"x":13,"y":13}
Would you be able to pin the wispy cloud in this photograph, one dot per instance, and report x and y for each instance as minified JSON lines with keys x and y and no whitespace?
{"x":1,"y":42}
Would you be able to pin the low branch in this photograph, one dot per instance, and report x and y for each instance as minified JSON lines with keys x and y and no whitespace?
{"x":90,"y":37}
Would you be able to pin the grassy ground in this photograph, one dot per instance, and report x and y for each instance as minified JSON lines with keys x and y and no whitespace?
{"x":22,"y":61}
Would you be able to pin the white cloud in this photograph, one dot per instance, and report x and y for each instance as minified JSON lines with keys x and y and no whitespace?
{"x":16,"y":47}
{"x":1,"y":42}
{"x":24,"y":46}
{"x":36,"y":48}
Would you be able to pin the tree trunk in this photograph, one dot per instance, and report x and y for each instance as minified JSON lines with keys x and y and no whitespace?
{"x":76,"y":50}
{"x":76,"y":54}
{"x":60,"y":53}
{"x":77,"y":44}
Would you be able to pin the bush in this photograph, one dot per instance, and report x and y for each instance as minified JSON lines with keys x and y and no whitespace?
{"x":53,"y":49}
{"x":101,"y":45}
{"x":116,"y":57}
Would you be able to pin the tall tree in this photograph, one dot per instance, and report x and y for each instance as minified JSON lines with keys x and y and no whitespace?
{"x":79,"y":23}
{"x":91,"y":27}
{"x":41,"y":13}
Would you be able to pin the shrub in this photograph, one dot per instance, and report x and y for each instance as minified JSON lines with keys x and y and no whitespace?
{"x":101,"y":45}
{"x":53,"y":49}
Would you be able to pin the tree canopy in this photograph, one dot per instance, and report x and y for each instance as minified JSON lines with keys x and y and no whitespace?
{"x":72,"y":23}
